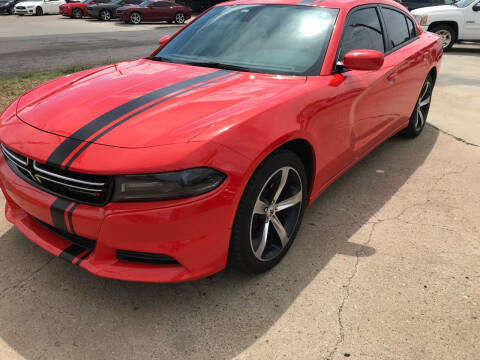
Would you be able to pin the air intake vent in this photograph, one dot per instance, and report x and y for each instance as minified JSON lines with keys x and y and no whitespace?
{"x":74,"y":239}
{"x":83,"y":188}
{"x":145,"y":258}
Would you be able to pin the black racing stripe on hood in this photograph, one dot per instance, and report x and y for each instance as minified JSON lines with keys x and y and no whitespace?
{"x":57,"y":212}
{"x":110,"y":128}
{"x":61,"y":153}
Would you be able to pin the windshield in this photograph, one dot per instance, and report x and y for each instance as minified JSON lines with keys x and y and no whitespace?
{"x":145,"y":3}
{"x":274,"y":39}
{"x":463,"y":3}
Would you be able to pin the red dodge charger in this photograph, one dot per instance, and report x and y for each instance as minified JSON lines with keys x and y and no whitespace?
{"x":152,"y":10}
{"x":163,"y":168}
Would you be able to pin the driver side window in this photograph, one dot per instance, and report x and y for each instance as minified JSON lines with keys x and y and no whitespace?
{"x":362,"y":31}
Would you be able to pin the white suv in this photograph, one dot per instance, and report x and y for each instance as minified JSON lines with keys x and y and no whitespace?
{"x":457,"y":22}
{"x":38,"y":7}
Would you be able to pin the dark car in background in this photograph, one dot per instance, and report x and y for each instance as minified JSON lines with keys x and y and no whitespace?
{"x":6,"y":6}
{"x":155,"y":10}
{"x":108,"y":11}
{"x":416,"y":4}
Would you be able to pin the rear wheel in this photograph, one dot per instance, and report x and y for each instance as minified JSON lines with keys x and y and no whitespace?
{"x":448,"y":35}
{"x":269,"y":213}
{"x":105,"y":15}
{"x":77,"y":14}
{"x":39,"y":11}
{"x":180,"y":18}
{"x":419,"y":117}
{"x":135,"y":18}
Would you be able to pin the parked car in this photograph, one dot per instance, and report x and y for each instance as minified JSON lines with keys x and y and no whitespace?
{"x":457,"y":22}
{"x":108,"y":11}
{"x":7,"y":6}
{"x":416,"y":4}
{"x":162,"y":168}
{"x":38,"y":7}
{"x":152,"y":10}
{"x":78,"y":9}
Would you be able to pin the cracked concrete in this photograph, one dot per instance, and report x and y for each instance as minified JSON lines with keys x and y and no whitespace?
{"x":384,"y":267}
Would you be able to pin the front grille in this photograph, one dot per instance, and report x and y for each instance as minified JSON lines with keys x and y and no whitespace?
{"x":83,"y":188}
{"x":145,"y":258}
{"x":74,"y":239}
{"x":20,"y":8}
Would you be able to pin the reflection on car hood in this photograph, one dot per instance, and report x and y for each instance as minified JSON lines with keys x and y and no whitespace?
{"x":145,"y":103}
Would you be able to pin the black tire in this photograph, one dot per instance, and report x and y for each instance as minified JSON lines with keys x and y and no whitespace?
{"x":241,"y":252}
{"x":135,"y":18}
{"x":38,"y":11}
{"x":77,"y":14}
{"x":10,"y":11}
{"x":448,"y":34}
{"x":421,"y":111}
{"x":105,"y":15}
{"x":180,"y":18}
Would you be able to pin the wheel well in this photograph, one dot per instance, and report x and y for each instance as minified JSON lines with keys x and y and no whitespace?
{"x":433,"y":74}
{"x":452,"y":24}
{"x":305,"y":152}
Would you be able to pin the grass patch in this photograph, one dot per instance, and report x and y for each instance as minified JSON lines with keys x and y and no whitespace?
{"x":12,"y":87}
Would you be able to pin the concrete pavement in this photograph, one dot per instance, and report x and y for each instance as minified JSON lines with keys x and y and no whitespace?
{"x":384,"y":267}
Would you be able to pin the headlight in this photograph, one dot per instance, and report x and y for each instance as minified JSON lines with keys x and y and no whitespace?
{"x":422,"y":20}
{"x":166,"y":186}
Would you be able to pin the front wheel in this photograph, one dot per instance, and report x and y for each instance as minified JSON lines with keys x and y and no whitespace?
{"x":269,"y":213}
{"x":135,"y":18}
{"x":105,"y":15}
{"x":39,"y":11}
{"x":448,"y":35}
{"x":419,"y":117}
{"x":77,"y":14}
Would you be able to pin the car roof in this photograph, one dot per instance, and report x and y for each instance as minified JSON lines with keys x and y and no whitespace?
{"x":340,"y":4}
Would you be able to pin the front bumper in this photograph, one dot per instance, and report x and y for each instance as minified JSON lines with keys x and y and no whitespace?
{"x":193,"y":232}
{"x":24,"y":11}
{"x":66,"y":12}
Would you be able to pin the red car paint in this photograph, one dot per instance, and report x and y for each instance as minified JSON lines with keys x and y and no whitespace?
{"x":151,"y":12}
{"x":66,"y":9}
{"x":216,"y":121}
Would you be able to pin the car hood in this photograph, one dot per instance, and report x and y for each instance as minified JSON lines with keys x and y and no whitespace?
{"x":28,"y":3}
{"x":434,"y":10}
{"x":145,"y":103}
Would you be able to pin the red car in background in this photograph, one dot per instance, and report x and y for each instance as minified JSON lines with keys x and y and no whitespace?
{"x":163,"y":168}
{"x":77,"y":10}
{"x":153,"y":10}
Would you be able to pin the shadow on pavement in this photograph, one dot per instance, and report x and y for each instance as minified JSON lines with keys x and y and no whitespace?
{"x":64,"y":310}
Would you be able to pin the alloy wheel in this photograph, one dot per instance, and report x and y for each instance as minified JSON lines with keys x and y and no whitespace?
{"x":105,"y":15}
{"x":179,"y":18}
{"x":446,"y":37}
{"x":423,"y":105}
{"x":135,"y":18}
{"x":276,"y":213}
{"x":77,"y":14}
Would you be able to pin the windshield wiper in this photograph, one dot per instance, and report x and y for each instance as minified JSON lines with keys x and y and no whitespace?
{"x":218,"y":65}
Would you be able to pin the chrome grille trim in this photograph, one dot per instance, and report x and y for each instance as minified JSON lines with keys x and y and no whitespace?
{"x":79,"y":187}
{"x":37,"y":168}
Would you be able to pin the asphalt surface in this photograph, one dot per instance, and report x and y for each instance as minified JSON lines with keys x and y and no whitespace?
{"x":385,"y":266}
{"x":31,"y":44}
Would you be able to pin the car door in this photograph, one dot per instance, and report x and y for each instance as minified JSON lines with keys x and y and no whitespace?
{"x":162,"y":11}
{"x":367,"y":96}
{"x":411,"y":61}
{"x":471,"y":28}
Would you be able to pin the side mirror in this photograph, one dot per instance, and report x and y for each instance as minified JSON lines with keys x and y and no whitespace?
{"x":363,"y":60}
{"x":164,"y":39}
{"x":476,"y":7}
